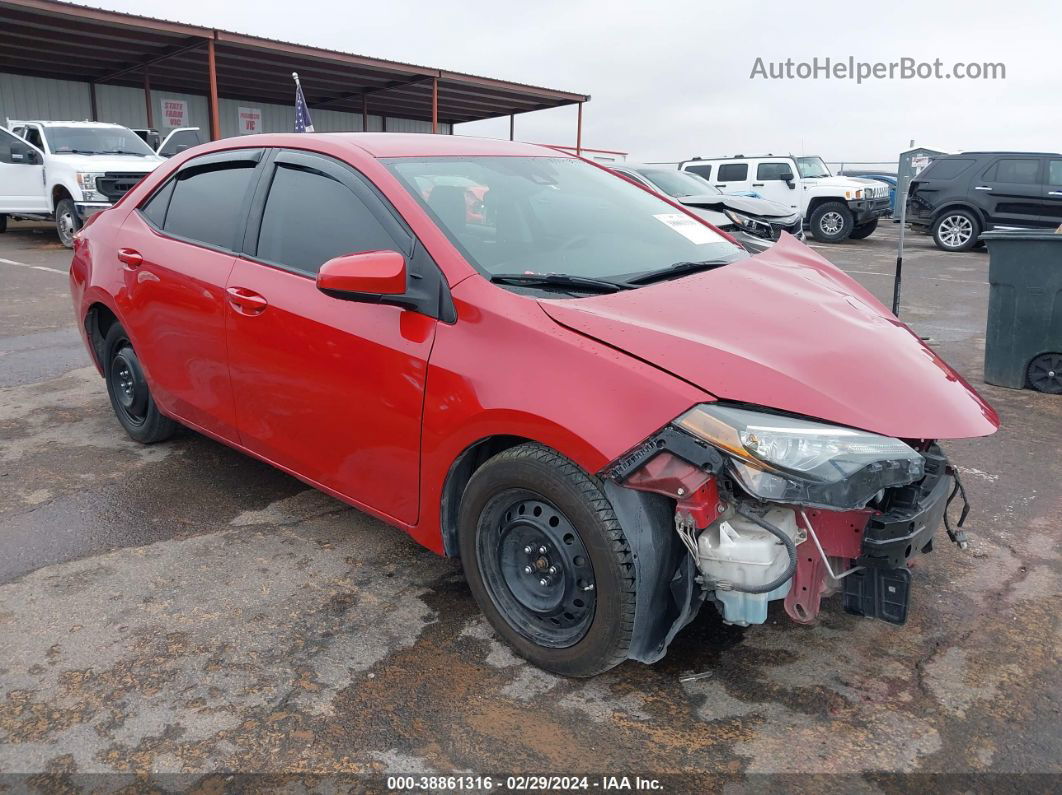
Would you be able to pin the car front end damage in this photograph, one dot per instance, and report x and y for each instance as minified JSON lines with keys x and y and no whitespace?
{"x":768,"y":506}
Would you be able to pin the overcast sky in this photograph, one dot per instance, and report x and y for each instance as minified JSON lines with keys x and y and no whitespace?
{"x":671,"y":78}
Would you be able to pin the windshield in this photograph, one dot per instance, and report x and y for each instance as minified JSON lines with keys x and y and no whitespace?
{"x":95,"y":141}
{"x":678,"y":183}
{"x":559,"y":215}
{"x":811,"y":167}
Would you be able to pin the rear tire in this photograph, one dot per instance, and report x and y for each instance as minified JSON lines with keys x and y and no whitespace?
{"x":568,"y":609}
{"x":956,"y":230}
{"x":831,"y":222}
{"x":66,"y":222}
{"x":128,"y":390}
{"x":864,"y":230}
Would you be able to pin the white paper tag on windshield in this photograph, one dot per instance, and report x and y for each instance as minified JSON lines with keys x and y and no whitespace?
{"x":692,"y":230}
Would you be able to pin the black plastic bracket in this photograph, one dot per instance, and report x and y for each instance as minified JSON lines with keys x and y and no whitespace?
{"x":879,"y":593}
{"x":700,"y":454}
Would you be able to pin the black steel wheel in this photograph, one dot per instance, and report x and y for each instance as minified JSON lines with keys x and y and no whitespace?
{"x":1045,"y":373}
{"x":128,"y":390}
{"x":547,"y":561}
{"x":536,"y":568}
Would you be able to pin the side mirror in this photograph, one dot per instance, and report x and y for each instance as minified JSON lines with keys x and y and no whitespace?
{"x":366,"y":276}
{"x":788,"y":178}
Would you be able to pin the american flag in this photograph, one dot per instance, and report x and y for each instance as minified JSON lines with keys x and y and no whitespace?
{"x":303,"y":122}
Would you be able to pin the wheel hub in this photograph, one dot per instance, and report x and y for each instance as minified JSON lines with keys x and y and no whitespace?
{"x":128,"y":385}
{"x":831,"y":223}
{"x":1045,"y":373}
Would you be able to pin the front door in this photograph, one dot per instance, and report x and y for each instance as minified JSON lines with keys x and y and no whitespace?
{"x":1011,"y":191}
{"x":21,"y":176}
{"x":769,"y":184}
{"x":177,"y":254}
{"x":329,"y":388}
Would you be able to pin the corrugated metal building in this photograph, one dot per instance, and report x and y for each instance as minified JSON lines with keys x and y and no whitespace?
{"x":61,"y":61}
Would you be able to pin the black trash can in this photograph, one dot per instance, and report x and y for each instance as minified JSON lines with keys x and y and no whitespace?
{"x":1023,"y":344}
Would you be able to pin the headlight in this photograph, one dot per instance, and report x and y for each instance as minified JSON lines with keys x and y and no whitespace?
{"x":787,"y":459}
{"x":86,"y":180}
{"x":749,"y":224}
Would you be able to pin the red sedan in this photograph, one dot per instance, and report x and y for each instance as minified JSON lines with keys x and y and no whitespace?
{"x":610,"y":412}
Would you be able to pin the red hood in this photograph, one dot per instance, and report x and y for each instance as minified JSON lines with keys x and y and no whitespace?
{"x":789,"y":330}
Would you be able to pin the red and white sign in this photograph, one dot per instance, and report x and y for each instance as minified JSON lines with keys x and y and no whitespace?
{"x":250,"y":120}
{"x":175,"y":112}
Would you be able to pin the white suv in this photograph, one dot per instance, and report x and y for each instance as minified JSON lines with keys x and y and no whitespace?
{"x":68,"y":171}
{"x":834,"y":208}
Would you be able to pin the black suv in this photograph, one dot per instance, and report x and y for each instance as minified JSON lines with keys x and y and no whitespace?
{"x":960,"y":196}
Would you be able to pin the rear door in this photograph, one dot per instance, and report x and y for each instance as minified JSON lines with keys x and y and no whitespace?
{"x":186,"y":235}
{"x":1053,"y":191}
{"x":733,"y":177}
{"x":21,"y":176}
{"x":331,"y":389}
{"x":1011,"y":191}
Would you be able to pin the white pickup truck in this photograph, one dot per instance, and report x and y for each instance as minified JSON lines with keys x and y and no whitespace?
{"x":66,"y":170}
{"x":834,"y":208}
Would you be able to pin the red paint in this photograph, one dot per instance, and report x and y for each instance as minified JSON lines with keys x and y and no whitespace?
{"x":379,"y":272}
{"x":373,"y":403}
{"x":841,"y":536}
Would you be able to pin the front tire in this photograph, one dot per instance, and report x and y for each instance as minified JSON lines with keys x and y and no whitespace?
{"x":128,"y":390}
{"x":547,"y":561}
{"x":831,"y":222}
{"x":956,"y":230}
{"x":864,"y":230}
{"x":66,"y":222}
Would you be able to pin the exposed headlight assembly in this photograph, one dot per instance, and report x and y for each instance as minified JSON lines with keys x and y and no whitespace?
{"x":751,"y":225}
{"x":86,"y":180}
{"x":786,"y":459}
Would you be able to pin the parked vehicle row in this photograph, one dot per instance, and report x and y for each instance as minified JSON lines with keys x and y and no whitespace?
{"x":835,"y":208}
{"x":611,"y":413}
{"x":957,"y":197}
{"x":755,"y":223}
{"x":66,"y":171}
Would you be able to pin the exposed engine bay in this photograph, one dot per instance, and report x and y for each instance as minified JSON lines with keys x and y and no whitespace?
{"x":772,"y":507}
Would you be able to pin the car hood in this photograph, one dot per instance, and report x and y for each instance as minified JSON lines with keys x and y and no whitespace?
{"x":788,"y":330}
{"x":851,"y":183}
{"x":129,"y":164}
{"x":743,"y":204}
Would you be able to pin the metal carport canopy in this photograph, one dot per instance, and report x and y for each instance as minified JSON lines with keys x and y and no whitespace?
{"x":46,"y":38}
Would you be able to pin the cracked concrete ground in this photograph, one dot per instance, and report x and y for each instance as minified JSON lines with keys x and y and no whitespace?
{"x":185,"y":609}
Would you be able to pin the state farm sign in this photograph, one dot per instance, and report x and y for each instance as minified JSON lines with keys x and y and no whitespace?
{"x":175,"y":112}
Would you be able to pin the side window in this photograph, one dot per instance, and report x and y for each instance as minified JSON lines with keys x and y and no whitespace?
{"x":180,"y":140}
{"x":701,"y":170}
{"x":15,"y":151}
{"x":767,"y":171}
{"x":1023,"y":171}
{"x":33,"y":135}
{"x":208,"y":203}
{"x":733,"y":172}
{"x":1054,"y":172}
{"x":310,"y":217}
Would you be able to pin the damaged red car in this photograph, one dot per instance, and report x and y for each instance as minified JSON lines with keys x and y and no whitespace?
{"x":609,"y":411}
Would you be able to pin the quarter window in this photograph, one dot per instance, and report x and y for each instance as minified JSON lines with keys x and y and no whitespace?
{"x":1054,"y":172}
{"x":208,"y":204}
{"x":310,"y":218}
{"x":733,"y":172}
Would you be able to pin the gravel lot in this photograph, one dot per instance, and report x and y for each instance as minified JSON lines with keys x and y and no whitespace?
{"x":182,"y":609}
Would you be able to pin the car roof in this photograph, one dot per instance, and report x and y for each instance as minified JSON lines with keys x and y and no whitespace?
{"x":411,"y":144}
{"x":1003,"y":152}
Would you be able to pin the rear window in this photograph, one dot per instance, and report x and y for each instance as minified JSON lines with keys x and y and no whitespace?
{"x":946,"y":168}
{"x":733,"y":172}
{"x":207,"y":205}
